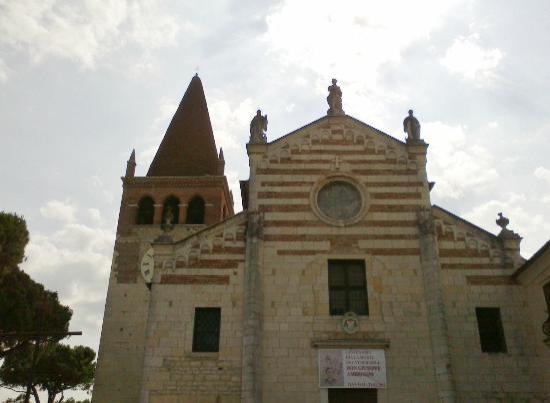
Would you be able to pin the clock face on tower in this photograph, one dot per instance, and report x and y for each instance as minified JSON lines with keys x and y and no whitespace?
{"x":147,"y":265}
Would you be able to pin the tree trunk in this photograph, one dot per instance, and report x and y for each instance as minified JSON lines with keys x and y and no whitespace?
{"x":52,"y":393}
{"x":35,"y":394}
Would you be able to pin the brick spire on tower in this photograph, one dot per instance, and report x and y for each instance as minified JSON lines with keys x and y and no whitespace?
{"x":188,"y":147}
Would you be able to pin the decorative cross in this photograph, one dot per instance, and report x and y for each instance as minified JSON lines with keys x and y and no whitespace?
{"x":337,"y":162}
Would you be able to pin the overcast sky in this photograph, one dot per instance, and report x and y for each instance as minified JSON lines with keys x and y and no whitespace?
{"x":82,"y":82}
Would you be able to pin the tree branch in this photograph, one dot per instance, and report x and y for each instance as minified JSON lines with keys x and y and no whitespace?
{"x":3,"y":385}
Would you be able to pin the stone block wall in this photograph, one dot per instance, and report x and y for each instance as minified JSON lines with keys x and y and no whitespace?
{"x":297,"y":245}
{"x":477,"y":274}
{"x":206,"y":270}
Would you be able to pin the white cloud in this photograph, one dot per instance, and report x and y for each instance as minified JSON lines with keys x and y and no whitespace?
{"x":74,"y":260}
{"x":4,"y":71}
{"x":468,"y":59}
{"x":59,"y":210}
{"x":351,"y":42}
{"x":457,"y":166}
{"x":166,"y":109}
{"x":94,"y":214}
{"x":230,"y":121}
{"x":543,"y":173}
{"x":83,"y":31}
{"x":523,"y":219}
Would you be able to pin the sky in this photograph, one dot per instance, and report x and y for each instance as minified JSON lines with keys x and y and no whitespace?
{"x":83,"y":82}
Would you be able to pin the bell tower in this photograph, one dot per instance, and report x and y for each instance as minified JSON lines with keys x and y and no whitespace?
{"x":186,"y":188}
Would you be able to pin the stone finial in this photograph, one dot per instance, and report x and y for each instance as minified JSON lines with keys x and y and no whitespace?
{"x":334,"y":99}
{"x":411,"y":126}
{"x":502,"y":221}
{"x":510,"y":241}
{"x":258,"y":127}
{"x":131,"y":165}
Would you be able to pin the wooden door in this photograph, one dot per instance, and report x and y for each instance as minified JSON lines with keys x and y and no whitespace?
{"x":352,"y":396}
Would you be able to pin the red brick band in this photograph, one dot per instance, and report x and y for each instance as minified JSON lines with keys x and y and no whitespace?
{"x":193,"y":279}
{"x":491,"y":280}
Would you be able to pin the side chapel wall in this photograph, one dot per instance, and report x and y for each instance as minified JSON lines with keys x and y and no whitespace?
{"x":476,"y":273}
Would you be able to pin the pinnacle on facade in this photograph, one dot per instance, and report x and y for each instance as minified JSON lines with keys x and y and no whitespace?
{"x":131,"y":165}
{"x":188,"y":147}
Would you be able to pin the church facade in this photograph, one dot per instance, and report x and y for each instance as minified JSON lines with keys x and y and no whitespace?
{"x":339,"y":281}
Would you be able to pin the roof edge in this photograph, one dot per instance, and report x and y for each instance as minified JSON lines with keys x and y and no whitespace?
{"x":211,"y":227}
{"x":390,"y":137}
{"x":464,"y":221}
{"x":525,"y":266}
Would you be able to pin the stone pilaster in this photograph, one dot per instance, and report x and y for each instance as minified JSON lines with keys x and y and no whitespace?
{"x":417,"y":150}
{"x":431,"y":276}
{"x":253,"y":309}
{"x":163,"y":249}
{"x":157,"y":218}
{"x":253,"y":293}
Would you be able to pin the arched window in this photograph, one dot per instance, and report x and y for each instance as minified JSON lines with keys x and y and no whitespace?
{"x":195,"y":211}
{"x":146,"y":211}
{"x":171,"y":204}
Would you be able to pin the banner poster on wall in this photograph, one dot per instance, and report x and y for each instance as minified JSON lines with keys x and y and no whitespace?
{"x":352,"y":368}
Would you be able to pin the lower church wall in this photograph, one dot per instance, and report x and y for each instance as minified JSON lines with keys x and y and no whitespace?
{"x":172,"y":371}
{"x":296,"y":313}
{"x":481,"y":376}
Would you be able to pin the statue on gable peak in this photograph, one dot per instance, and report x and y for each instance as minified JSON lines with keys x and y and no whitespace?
{"x":411,"y":126}
{"x":334,"y":99}
{"x":258,"y":127}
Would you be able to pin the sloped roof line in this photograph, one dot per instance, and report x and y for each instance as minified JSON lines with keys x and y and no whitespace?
{"x":188,"y":147}
{"x":532,"y":259}
{"x":210,"y":228}
{"x":464,"y":221}
{"x":348,"y":116}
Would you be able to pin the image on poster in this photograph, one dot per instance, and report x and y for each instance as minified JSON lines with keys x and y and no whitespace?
{"x":352,"y":368}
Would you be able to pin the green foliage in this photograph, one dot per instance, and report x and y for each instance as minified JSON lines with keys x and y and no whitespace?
{"x":25,"y":306}
{"x":72,"y":400}
{"x":13,"y":239}
{"x":58,"y":368}
{"x":30,"y":314}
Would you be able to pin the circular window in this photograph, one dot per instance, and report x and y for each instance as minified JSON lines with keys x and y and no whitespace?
{"x":339,"y":201}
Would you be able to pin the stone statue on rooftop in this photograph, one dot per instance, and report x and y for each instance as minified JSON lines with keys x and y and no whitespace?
{"x":258,"y":127}
{"x":411,"y":126}
{"x":168,"y":219}
{"x":334,"y":99}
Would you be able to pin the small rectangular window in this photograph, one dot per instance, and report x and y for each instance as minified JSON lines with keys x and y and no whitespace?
{"x":206,"y":330}
{"x":491,"y":332}
{"x":347,"y":287}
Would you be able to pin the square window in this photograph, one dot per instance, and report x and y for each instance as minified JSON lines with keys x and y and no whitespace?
{"x":206,"y":330}
{"x":491,"y":332}
{"x":347,"y":287}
